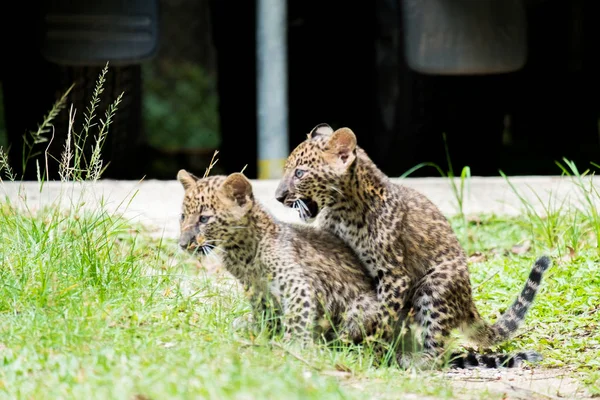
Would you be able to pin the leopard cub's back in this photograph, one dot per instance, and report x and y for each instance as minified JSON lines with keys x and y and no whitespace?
{"x":333,"y":266}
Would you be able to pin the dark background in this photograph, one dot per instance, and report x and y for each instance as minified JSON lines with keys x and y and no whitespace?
{"x":347,"y":68}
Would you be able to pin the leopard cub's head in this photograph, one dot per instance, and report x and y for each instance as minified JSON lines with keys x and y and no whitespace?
{"x":315,"y":170}
{"x":214,"y":209}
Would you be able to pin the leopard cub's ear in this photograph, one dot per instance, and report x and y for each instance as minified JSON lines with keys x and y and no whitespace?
{"x":340,"y":151}
{"x":186,"y":179}
{"x":320,"y":130}
{"x":237,"y":188}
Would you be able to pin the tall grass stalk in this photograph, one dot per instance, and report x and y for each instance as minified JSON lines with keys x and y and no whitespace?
{"x":95,"y":167}
{"x":460,"y":190}
{"x":80,"y":137}
{"x":5,"y":168}
{"x":65,"y":169}
{"x":549,"y":222}
{"x":588,"y":194}
{"x":33,"y":138}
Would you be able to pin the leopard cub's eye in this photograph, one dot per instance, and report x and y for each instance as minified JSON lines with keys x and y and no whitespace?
{"x":204,"y":219}
{"x":299,"y":173}
{"x":182,"y":217}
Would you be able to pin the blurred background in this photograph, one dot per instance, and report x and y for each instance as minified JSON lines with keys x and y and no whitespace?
{"x":504,"y":84}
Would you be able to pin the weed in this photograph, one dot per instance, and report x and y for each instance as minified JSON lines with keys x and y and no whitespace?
{"x":546,"y":223}
{"x":463,"y":179}
{"x":5,"y":167}
{"x":33,"y":138}
{"x":588,"y":195}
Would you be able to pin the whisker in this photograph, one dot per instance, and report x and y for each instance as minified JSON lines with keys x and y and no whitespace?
{"x":215,"y":249}
{"x":298,"y":206}
{"x":305,"y":211}
{"x":337,"y":190}
{"x":303,"y":204}
{"x":213,"y":258}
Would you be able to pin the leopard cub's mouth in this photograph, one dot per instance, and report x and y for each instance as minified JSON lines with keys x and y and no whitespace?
{"x":198,"y":248}
{"x":306,"y":207}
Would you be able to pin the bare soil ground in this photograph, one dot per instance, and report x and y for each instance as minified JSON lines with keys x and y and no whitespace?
{"x":534,"y":383}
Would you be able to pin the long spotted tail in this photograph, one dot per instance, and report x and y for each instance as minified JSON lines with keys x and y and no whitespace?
{"x":493,"y":360}
{"x":487,"y":335}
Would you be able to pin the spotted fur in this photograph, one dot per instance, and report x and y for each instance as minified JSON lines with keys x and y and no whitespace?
{"x":405,"y":242}
{"x":309,"y":278}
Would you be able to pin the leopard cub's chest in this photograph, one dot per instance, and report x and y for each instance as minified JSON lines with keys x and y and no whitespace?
{"x":356,"y":235}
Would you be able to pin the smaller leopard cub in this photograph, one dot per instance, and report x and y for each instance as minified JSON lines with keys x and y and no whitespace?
{"x":313,"y":279}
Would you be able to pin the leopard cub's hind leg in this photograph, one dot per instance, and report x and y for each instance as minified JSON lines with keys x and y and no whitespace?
{"x":441,"y":300}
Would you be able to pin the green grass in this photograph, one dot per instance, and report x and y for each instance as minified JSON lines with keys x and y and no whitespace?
{"x":565,"y":318}
{"x":94,"y":308}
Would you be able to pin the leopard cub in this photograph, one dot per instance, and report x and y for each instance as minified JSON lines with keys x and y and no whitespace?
{"x":309,"y":279}
{"x":407,"y":244}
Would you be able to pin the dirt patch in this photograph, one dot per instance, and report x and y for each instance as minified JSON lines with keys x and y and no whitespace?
{"x":477,"y":384}
{"x":517,"y":383}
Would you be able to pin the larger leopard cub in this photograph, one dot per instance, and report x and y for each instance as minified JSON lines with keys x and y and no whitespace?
{"x":404,"y":240}
{"x":309,"y":278}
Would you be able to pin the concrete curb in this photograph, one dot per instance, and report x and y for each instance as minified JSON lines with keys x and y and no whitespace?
{"x":158,"y":203}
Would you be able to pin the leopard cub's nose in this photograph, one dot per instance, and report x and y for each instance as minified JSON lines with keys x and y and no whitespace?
{"x":281,"y":196}
{"x":186,"y":239}
{"x":282,"y":192}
